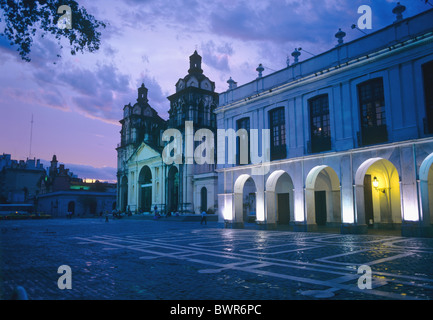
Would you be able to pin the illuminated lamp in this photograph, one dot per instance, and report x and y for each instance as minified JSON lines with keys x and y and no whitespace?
{"x":376,"y":185}
{"x":375,"y":182}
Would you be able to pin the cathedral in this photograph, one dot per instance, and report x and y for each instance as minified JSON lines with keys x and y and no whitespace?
{"x":145,"y":181}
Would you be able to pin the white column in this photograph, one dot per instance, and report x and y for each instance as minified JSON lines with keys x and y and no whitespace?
{"x":346,"y":192}
{"x":408,"y":187}
{"x":271,"y":207}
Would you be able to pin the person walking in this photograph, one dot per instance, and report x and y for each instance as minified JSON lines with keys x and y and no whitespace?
{"x":203,"y":217}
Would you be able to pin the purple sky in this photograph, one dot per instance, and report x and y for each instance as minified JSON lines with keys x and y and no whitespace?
{"x":77,"y":101}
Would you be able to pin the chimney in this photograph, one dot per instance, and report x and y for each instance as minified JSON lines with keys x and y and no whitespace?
{"x":232,"y":84}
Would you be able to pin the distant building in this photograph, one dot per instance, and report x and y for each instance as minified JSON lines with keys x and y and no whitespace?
{"x":58,"y":178}
{"x":19,"y":180}
{"x":77,"y":202}
{"x":61,"y":193}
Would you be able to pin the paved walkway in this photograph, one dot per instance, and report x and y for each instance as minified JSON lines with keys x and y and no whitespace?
{"x":168,"y":260}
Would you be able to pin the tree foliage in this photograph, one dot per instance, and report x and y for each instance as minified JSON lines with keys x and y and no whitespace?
{"x":24,"y":19}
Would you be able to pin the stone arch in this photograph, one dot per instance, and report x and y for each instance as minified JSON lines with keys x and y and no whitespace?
{"x":279,"y":198}
{"x":322,"y":196}
{"x":377,"y":188}
{"x":245,"y":190}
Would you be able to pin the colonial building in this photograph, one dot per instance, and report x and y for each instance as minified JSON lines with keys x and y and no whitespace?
{"x":350,"y":137}
{"x":82,"y":201}
{"x":19,"y":180}
{"x":62,"y":192}
{"x":145,"y":180}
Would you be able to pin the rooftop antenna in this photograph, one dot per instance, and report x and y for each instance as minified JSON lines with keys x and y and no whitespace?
{"x":269,"y":69}
{"x":354,"y":26}
{"x":31,"y":137}
{"x":307,"y":52}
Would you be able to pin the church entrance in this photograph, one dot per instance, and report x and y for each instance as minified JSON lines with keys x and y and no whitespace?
{"x":145,"y":183}
{"x":203,"y":198}
{"x":173,"y":190}
{"x":123,"y":199}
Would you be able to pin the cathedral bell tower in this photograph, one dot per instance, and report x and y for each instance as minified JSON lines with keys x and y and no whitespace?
{"x":195,"y":64}
{"x":142,"y":95}
{"x":140,"y":124}
{"x":195,"y":100}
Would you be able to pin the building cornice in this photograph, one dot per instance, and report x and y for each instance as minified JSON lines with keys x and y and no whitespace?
{"x":328,"y":72}
{"x":330,"y":154}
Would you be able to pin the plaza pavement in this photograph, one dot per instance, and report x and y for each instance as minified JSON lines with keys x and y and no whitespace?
{"x":141,"y":259}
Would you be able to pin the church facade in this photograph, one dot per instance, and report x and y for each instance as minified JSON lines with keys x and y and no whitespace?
{"x":145,"y":180}
{"x":350,"y":137}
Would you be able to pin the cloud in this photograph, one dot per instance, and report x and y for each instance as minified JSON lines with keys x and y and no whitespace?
{"x":82,"y":81}
{"x":294,"y":20}
{"x":217,"y":56}
{"x":275,"y":21}
{"x":98,"y":92}
{"x":34,"y":96}
{"x":88,"y":172}
{"x":54,"y":99}
{"x":152,"y":13}
{"x":157,"y":98}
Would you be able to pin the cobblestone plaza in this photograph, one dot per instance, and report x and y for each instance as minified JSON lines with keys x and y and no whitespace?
{"x":173,"y":260}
